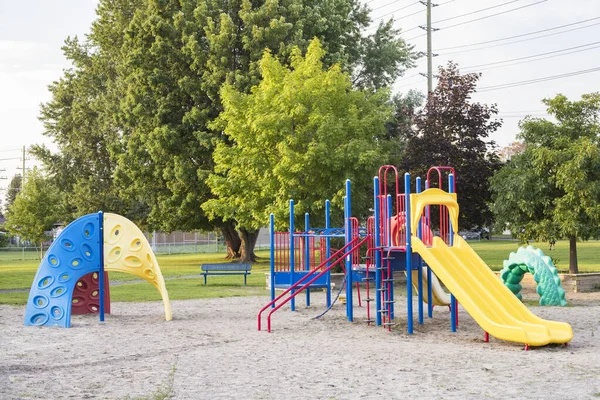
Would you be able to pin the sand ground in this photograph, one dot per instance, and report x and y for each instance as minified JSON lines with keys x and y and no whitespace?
{"x":212,"y":350}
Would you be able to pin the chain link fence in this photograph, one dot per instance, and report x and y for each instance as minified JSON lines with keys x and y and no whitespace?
{"x":161,"y":244}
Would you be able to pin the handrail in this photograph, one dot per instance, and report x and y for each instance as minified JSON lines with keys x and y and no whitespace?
{"x":295,"y":285}
{"x":307,"y":284}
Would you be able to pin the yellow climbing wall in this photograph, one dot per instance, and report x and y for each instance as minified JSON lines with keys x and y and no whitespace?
{"x":127,"y":250}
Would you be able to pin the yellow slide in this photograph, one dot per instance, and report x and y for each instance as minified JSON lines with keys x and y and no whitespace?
{"x":439,"y":296}
{"x":491,"y":304}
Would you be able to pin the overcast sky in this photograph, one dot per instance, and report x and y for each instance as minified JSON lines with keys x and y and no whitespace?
{"x":32,"y":33}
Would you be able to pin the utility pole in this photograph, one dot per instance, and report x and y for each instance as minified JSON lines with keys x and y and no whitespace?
{"x":430,"y":54}
{"x":23,"y":176}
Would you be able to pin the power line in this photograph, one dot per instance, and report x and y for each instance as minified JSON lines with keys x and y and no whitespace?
{"x":516,"y":36}
{"x":381,"y":17}
{"x":389,"y":4}
{"x":475,"y":12}
{"x":537,"y":80}
{"x":411,"y":84}
{"x":481,"y":18}
{"x":537,"y":55}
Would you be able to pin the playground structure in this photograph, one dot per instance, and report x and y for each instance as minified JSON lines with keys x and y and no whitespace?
{"x":399,"y":237}
{"x":72,"y":278}
{"x":532,"y":260}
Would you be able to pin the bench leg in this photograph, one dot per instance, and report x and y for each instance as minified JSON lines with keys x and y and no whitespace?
{"x":205,"y":279}
{"x":245,"y":284}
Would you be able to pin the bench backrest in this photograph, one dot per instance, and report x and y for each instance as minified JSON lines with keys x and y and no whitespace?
{"x":226,"y":267}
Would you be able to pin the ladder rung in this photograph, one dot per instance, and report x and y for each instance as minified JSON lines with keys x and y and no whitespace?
{"x":383,"y":311}
{"x":368,"y":279}
{"x":389,"y":301}
{"x":388,"y":324}
{"x":368,"y":300}
{"x":389,"y":280}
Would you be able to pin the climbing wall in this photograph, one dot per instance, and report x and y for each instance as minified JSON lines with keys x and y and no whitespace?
{"x":86,"y":297}
{"x":74,"y":254}
{"x":127,"y":250}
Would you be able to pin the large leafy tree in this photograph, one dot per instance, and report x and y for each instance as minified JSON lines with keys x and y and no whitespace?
{"x":180,"y":55}
{"x":82,"y":118}
{"x":453,"y":130}
{"x":299,"y":134}
{"x":552,"y":189}
{"x":35,"y":209}
{"x":139,"y":102}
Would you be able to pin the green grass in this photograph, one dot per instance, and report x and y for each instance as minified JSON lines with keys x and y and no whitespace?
{"x":182,"y":278}
{"x":496,"y":251}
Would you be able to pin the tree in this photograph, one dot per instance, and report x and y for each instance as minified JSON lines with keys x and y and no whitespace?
{"x":14,"y":187}
{"x":181,"y":53}
{"x":144,"y":90}
{"x":35,"y":209}
{"x":552,"y":189}
{"x":298,"y":135}
{"x":508,"y":152}
{"x":452,"y":130}
{"x":82,"y":119}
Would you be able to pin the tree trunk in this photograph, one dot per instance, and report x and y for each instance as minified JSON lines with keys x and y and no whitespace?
{"x":41,"y":251}
{"x":573,"y":266}
{"x":232,"y":240}
{"x":247,"y":248}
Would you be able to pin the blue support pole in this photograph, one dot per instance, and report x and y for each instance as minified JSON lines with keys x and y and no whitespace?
{"x":292,"y":253}
{"x":429,"y":273}
{"x":390,"y":215}
{"x":377,"y":252}
{"x":272,"y":239}
{"x":101,"y":269}
{"x":453,"y":302}
{"x":348,"y":214}
{"x":307,"y":253}
{"x":328,"y":250}
{"x":409,"y":325}
{"x":420,"y":265}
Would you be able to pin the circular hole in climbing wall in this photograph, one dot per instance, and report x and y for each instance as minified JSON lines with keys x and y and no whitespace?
{"x":88,"y":230}
{"x":58,"y":291}
{"x":38,"y":319}
{"x":76,"y":263}
{"x":86,"y":251}
{"x":57,"y":312}
{"x":95,"y":293}
{"x":64,"y":278}
{"x":82,"y":285}
{"x":132,"y":262}
{"x":115,"y":234}
{"x":149,"y":274}
{"x":67,"y":245}
{"x":45,"y":282}
{"x":40,"y":301}
{"x":136,"y":244}
{"x":53,"y":260}
{"x":114,"y":255}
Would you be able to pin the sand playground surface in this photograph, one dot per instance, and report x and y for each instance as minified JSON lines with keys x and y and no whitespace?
{"x":212,"y":350}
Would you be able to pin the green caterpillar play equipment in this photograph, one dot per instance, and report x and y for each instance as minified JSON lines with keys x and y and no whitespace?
{"x":532,"y":260}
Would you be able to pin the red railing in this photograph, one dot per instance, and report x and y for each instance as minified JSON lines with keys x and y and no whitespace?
{"x":354,"y":244}
{"x":282,"y":251}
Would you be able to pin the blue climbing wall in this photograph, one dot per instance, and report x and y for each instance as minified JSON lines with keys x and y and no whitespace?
{"x":74,"y":253}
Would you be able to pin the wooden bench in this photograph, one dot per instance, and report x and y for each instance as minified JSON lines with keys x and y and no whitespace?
{"x":225,"y":269}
